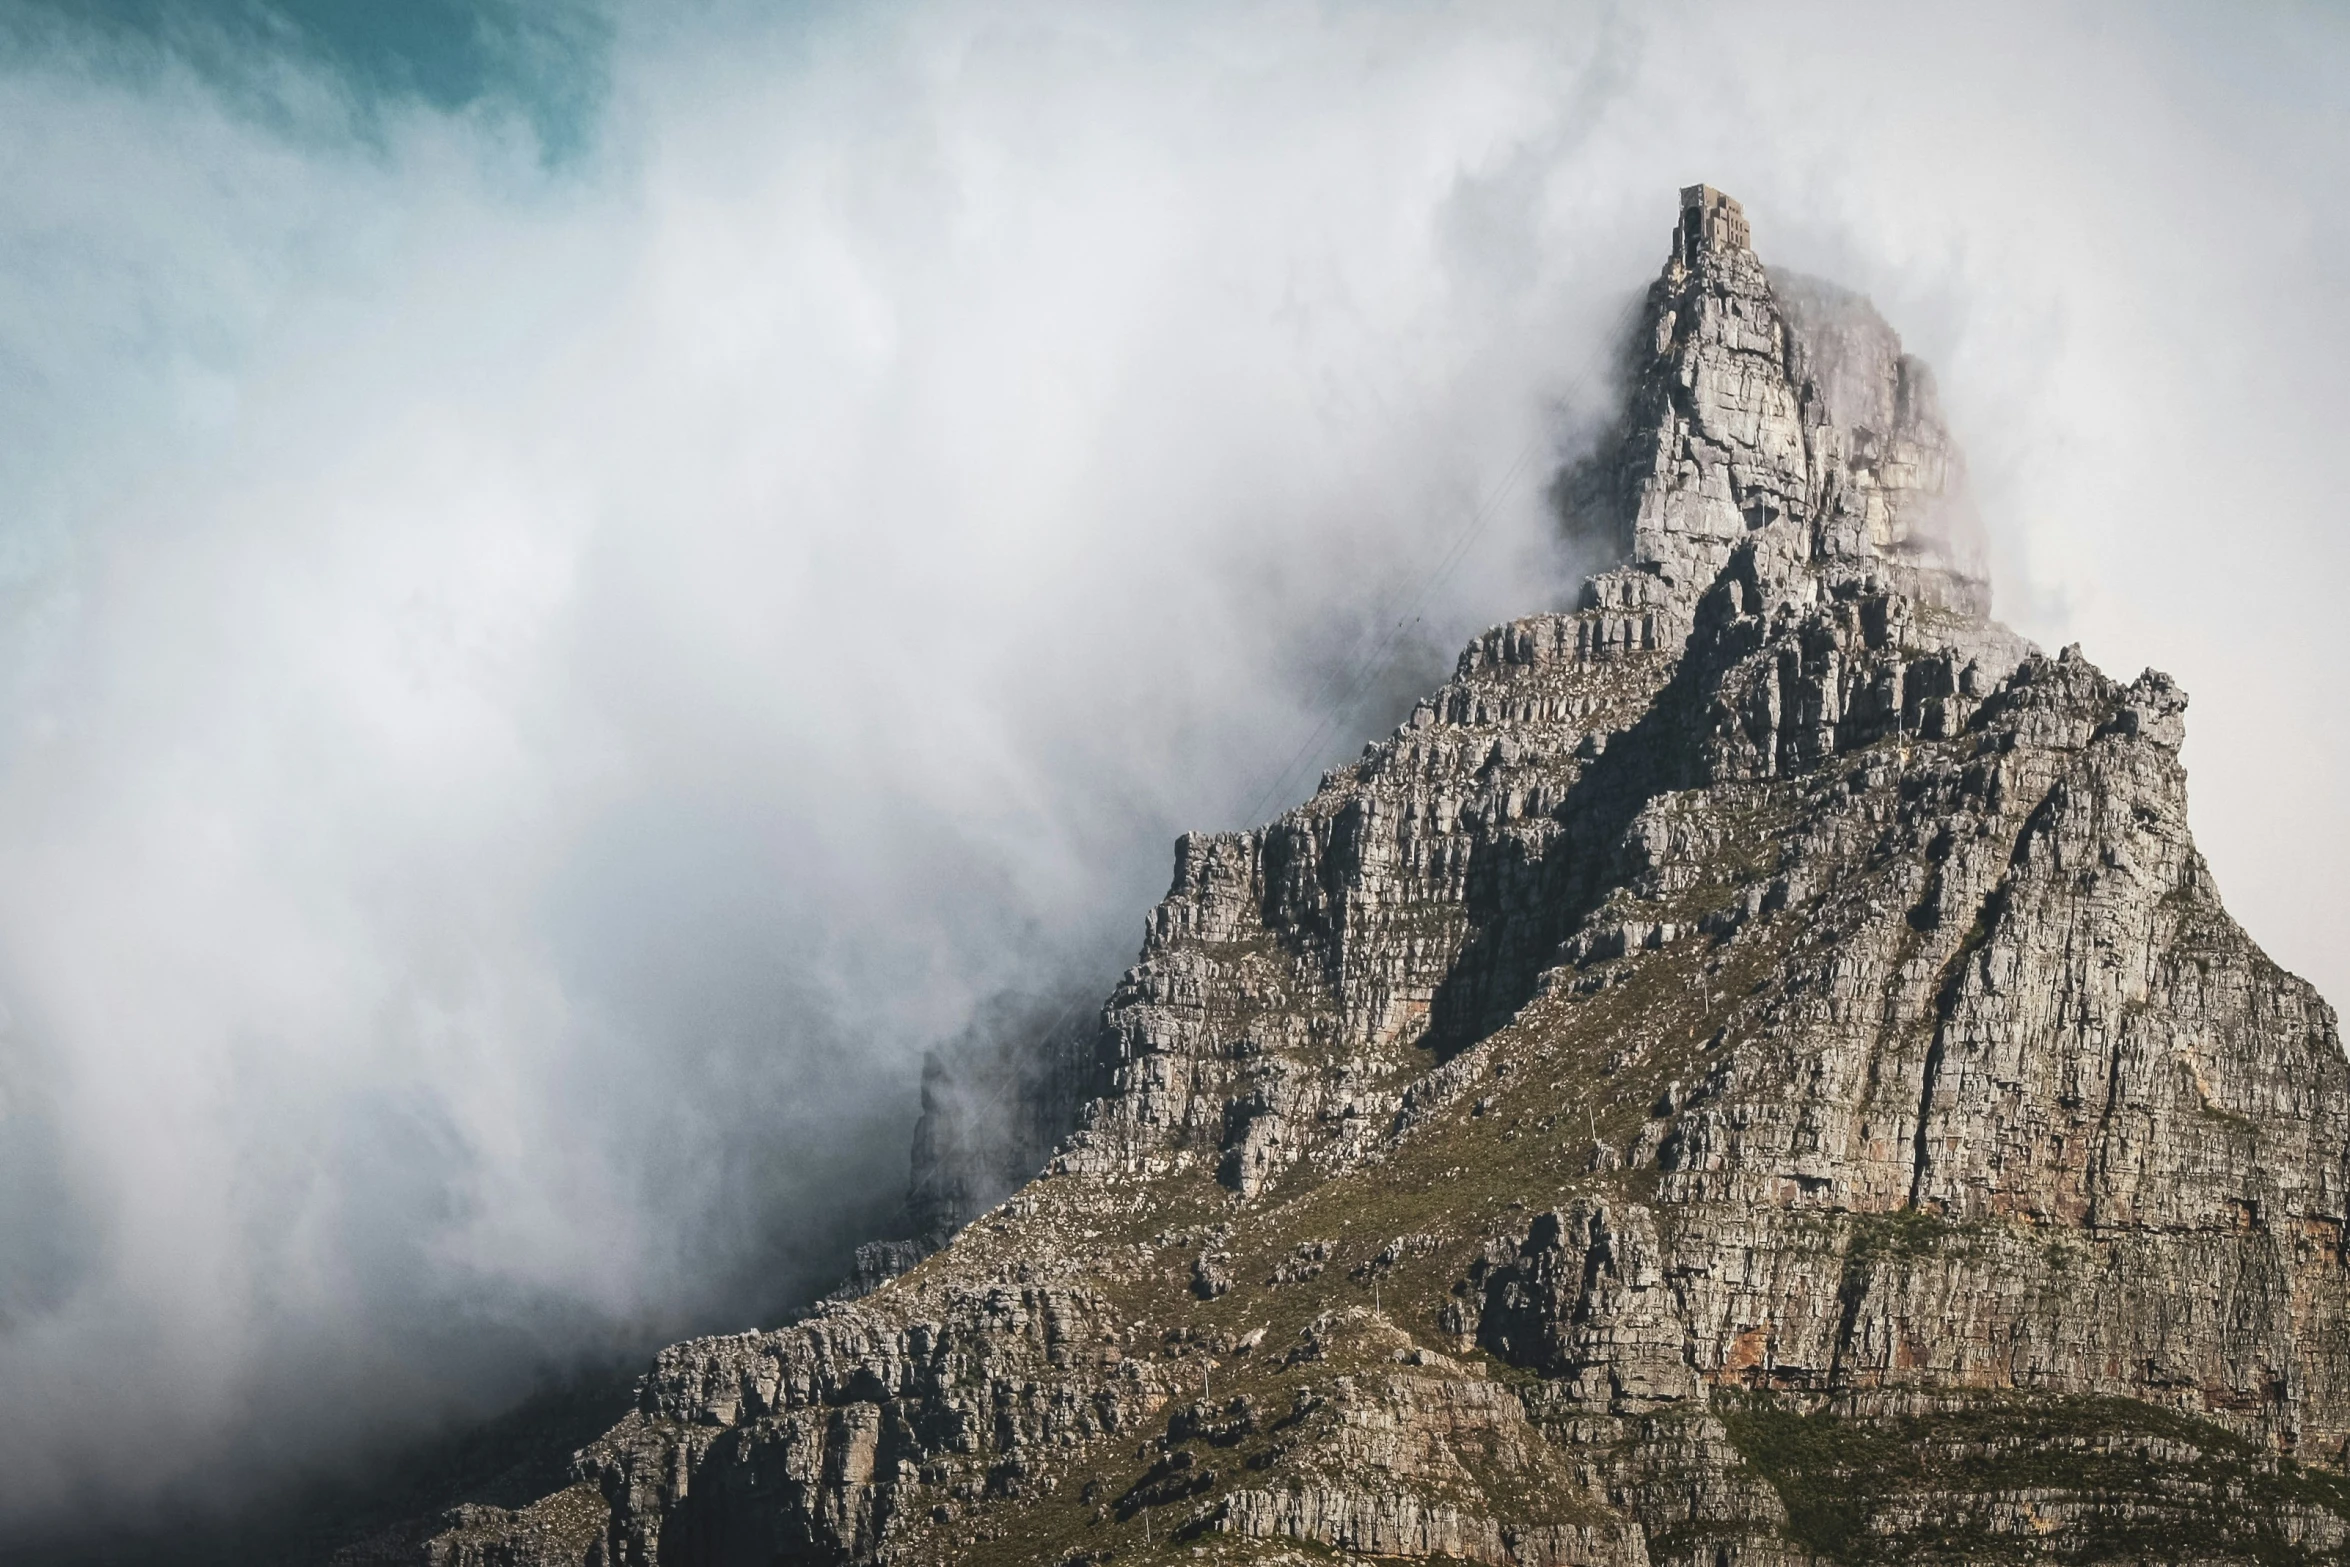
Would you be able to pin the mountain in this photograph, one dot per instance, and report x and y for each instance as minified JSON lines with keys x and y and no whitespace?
{"x":1752,"y":1071}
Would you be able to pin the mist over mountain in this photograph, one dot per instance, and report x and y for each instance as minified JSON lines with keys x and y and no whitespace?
{"x":1753,"y":1071}
{"x":579,"y":587}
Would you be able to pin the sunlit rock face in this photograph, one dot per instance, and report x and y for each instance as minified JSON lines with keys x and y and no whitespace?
{"x":1752,"y":1070}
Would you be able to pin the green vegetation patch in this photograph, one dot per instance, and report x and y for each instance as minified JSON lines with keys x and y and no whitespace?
{"x":2014,"y":1478}
{"x":1902,"y":1235}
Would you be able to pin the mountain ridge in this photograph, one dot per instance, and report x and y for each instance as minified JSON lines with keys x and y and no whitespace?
{"x":1751,"y":1071}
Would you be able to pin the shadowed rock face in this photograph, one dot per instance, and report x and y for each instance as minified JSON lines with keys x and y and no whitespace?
{"x":1753,"y":1070}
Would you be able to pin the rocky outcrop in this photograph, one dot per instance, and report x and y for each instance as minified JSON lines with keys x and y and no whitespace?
{"x":1761,"y":399}
{"x":1753,"y":1070}
{"x":996,"y":1101}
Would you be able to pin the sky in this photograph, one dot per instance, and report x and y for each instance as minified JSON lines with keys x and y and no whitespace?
{"x":579,"y":583}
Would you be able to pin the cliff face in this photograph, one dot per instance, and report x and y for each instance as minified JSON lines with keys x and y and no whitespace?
{"x":995,"y":1103}
{"x":1753,"y":1070}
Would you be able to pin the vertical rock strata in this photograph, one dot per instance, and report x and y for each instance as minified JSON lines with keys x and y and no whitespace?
{"x":1753,"y":1070}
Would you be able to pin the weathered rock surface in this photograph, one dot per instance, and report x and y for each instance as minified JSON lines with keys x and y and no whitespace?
{"x":1753,"y":1070}
{"x":996,"y":1102}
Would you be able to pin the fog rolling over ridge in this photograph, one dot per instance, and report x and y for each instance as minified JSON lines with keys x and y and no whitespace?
{"x":576,"y":588}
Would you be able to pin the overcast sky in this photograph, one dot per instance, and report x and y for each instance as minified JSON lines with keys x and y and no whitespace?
{"x":576,"y":585}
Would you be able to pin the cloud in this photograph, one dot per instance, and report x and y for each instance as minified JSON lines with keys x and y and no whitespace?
{"x":534,"y":685}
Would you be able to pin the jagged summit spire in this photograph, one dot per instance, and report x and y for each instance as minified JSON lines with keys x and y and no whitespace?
{"x":1711,"y":221}
{"x":1766,"y":403}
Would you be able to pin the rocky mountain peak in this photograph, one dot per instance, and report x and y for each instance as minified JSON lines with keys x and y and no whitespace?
{"x":1712,"y":231}
{"x":1772,"y":406}
{"x":1752,"y":1071}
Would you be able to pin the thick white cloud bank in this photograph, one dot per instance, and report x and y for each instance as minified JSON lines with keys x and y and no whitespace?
{"x":528,"y":696}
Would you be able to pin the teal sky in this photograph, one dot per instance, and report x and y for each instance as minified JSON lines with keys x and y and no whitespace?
{"x":581,"y":579}
{"x":545,"y":61}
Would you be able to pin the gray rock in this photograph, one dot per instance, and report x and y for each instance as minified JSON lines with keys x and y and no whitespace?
{"x":1828,"y":1108}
